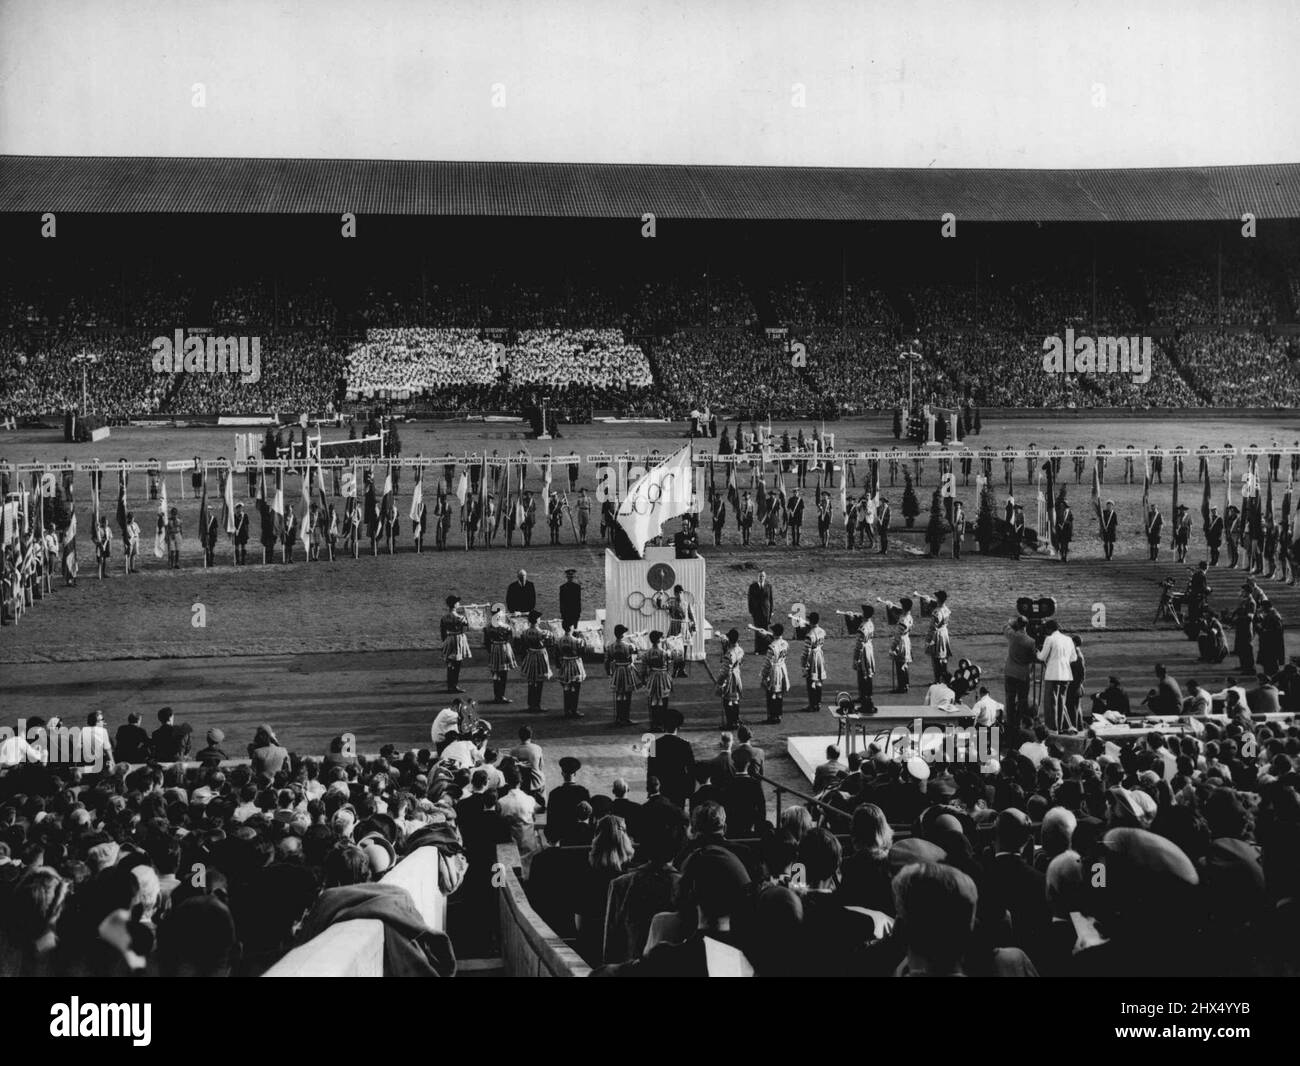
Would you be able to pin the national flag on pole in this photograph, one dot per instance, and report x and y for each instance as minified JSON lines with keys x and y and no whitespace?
{"x":519,"y":511}
{"x":203,"y":513}
{"x":1146,"y":493}
{"x":1173,"y":543}
{"x":160,"y":534}
{"x":659,"y":495}
{"x":417,"y":500}
{"x":844,"y":494}
{"x":386,"y":503}
{"x":1096,"y":495}
{"x":277,"y":506}
{"x":121,"y":505}
{"x":69,"y":542}
{"x":546,"y":488}
{"x":304,"y":520}
{"x":1205,"y":504}
{"x":462,"y":488}
{"x":1051,"y":503}
{"x":733,"y":491}
{"x":760,"y":498}
{"x":227,"y":477}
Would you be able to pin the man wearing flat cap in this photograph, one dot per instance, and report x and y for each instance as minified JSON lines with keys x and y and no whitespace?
{"x":212,"y":756}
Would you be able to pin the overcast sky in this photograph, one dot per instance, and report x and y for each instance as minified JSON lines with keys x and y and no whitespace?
{"x":918,"y":83}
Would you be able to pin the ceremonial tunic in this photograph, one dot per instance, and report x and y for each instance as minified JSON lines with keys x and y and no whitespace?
{"x":658,"y":684}
{"x":814,"y":654}
{"x":455,"y":641}
{"x":776,"y":673}
{"x":501,"y":656}
{"x":864,"y":652}
{"x":536,"y":665}
{"x":940,"y":645}
{"x":902,"y":646}
{"x":729,"y":684}
{"x":620,"y":662}
{"x":571,"y":669}
{"x":677,"y":616}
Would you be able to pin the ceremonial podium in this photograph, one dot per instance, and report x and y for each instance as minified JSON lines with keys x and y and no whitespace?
{"x":638,"y":591}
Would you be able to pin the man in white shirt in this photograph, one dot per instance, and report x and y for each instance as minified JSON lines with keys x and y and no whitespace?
{"x":446,"y":721}
{"x":16,"y":750}
{"x":940,"y":694}
{"x":517,"y":807}
{"x":1036,"y":750}
{"x":1057,"y":655}
{"x":986,"y":709}
{"x":96,"y":747}
{"x":460,"y":752}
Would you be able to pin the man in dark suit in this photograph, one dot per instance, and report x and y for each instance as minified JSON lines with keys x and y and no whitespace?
{"x":760,"y":609}
{"x":1109,"y":528}
{"x":1214,"y":535}
{"x":131,"y":744}
{"x":628,"y":810}
{"x":241,"y":535}
{"x":883,"y":517}
{"x":746,"y":752}
{"x":570,"y":599}
{"x":796,"y":519}
{"x":1014,"y":886}
{"x":562,"y":803}
{"x":673,"y":762}
{"x":170,"y":741}
{"x":521,"y":595}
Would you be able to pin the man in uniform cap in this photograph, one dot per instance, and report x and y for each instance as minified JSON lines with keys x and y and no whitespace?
{"x":570,"y":599}
{"x":562,"y":803}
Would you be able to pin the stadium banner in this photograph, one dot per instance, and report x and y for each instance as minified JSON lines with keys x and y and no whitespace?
{"x":653,"y":459}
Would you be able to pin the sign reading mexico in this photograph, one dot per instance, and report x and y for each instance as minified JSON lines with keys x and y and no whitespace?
{"x":201,"y":354}
{"x":663,"y":493}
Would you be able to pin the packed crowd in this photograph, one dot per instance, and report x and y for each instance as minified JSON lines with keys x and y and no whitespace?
{"x":1186,"y":292}
{"x":459,"y":367}
{"x":1262,"y":373}
{"x":907,"y":866}
{"x":826,"y":304}
{"x":134,"y":864}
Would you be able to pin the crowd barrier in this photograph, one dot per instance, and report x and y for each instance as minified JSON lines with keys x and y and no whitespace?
{"x":529,"y":947}
{"x":356,"y":948}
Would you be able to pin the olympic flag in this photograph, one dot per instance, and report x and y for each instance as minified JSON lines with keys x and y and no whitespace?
{"x":660,"y":494}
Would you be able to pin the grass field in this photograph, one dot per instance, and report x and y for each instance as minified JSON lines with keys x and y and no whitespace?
{"x":323,"y":648}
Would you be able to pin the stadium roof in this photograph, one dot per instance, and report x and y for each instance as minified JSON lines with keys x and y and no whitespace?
{"x":615,"y":190}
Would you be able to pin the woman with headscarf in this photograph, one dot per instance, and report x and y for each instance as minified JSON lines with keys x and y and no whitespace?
{"x":571,"y":672}
{"x":938,"y":643}
{"x":620,"y":665}
{"x":655,"y":677}
{"x":864,"y":657}
{"x":266,"y":754}
{"x":536,"y":667}
{"x":729,"y":683}
{"x":814,"y":661}
{"x":776,"y":673}
{"x":455,"y":642}
{"x":501,"y":656}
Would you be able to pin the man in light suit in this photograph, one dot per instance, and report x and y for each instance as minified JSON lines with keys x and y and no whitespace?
{"x":1057,"y":655}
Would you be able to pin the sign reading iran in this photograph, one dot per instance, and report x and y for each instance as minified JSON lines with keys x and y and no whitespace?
{"x":661,"y":494}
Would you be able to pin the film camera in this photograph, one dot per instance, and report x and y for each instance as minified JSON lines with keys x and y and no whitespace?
{"x":1037,"y":612}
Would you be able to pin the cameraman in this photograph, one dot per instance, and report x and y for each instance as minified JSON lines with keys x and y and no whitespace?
{"x":1021,"y":656}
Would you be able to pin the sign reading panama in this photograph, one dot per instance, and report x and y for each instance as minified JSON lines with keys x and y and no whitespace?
{"x":202,"y":354}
